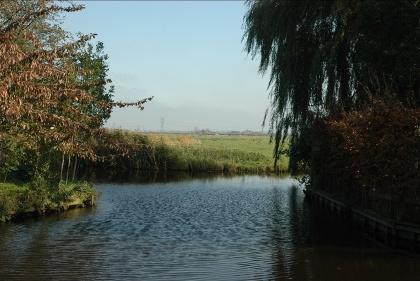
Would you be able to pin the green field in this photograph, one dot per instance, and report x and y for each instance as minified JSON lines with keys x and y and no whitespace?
{"x":186,"y":152}
{"x":259,"y":144}
{"x":234,"y":152}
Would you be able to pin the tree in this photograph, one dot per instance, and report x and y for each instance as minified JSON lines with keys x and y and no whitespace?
{"x":10,"y":156}
{"x":53,"y":90}
{"x":328,"y":57}
{"x":92,"y":66}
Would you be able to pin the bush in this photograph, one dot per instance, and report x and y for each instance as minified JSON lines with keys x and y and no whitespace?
{"x":36,"y":196}
{"x":68,"y":192}
{"x":8,"y":205}
{"x":370,"y":154}
{"x":40,"y":196}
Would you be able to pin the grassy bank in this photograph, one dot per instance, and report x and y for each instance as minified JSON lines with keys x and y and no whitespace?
{"x":135,"y":151}
{"x":38,"y":198}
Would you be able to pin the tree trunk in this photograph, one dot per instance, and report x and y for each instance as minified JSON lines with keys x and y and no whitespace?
{"x":62,"y":167}
{"x":74,"y":167}
{"x":68,"y":169}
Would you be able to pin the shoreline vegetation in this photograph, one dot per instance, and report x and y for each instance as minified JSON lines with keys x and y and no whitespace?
{"x":39,"y":198}
{"x":128,"y":153}
{"x":131,"y":154}
{"x":134,"y":151}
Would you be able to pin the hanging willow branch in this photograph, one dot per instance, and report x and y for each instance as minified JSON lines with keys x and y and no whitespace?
{"x":322,"y":55}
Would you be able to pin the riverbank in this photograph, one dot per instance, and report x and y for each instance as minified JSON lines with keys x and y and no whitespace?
{"x":123,"y":151}
{"x":38,"y":198}
{"x":395,"y":233}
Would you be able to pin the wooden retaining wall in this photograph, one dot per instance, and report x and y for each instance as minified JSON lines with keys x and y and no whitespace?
{"x":390,"y":232}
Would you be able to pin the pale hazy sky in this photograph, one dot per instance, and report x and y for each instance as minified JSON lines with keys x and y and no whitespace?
{"x":188,"y":55}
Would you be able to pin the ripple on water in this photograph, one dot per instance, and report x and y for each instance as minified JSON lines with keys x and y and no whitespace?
{"x":241,"y":228}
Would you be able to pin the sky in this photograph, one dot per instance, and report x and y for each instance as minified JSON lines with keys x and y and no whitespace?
{"x":188,"y":55}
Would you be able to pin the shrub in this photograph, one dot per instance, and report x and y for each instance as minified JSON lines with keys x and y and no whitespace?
{"x":369,"y":154}
{"x":41,"y":196}
{"x":36,"y":196}
{"x":8,"y":206}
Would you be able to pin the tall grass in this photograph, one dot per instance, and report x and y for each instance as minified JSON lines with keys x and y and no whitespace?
{"x":173,"y":152}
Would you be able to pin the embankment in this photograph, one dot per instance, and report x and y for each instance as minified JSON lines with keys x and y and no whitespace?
{"x":35,"y":199}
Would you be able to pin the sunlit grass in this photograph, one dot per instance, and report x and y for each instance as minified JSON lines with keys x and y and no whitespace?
{"x":237,"y":152}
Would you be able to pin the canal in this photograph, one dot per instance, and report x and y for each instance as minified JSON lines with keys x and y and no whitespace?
{"x":216,"y":228}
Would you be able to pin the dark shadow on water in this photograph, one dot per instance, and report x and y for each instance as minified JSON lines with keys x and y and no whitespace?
{"x":321,"y":246}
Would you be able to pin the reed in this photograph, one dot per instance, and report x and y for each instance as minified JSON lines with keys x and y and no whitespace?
{"x":193,"y":153}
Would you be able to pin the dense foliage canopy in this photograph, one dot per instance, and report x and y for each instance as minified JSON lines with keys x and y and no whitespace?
{"x":42,"y":100}
{"x":55,"y":93}
{"x":328,"y":57}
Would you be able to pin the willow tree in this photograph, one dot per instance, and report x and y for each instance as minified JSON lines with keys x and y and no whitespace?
{"x":327,"y":57}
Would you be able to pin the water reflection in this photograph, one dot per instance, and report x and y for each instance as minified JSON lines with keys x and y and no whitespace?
{"x":163,"y":177}
{"x":217,"y":228}
{"x":318,"y":246}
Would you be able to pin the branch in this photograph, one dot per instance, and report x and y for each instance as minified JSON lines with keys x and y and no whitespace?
{"x":138,"y":104}
{"x":42,"y":12}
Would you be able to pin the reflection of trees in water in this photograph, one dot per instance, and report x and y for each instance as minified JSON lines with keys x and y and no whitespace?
{"x":155,"y":176}
{"x":25,"y":253}
{"x":41,"y":248}
{"x":151,"y":177}
{"x":309,"y":243}
{"x":8,"y":258}
{"x":37,"y":254}
{"x":290,"y":259}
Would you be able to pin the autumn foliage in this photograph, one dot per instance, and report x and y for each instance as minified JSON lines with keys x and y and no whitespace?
{"x":38,"y":98}
{"x":54,"y":90}
{"x":371,"y":155}
{"x":40,"y":101}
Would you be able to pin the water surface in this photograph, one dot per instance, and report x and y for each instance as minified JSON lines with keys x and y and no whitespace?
{"x":239,"y":228}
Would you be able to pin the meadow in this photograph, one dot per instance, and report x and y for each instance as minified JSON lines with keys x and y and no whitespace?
{"x":241,"y":150}
{"x":188,"y":152}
